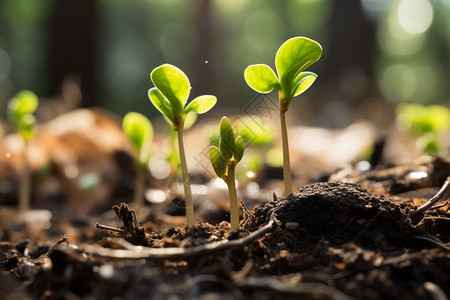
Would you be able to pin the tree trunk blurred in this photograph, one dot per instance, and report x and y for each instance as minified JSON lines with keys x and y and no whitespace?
{"x":352,"y":40}
{"x":73,"y":46}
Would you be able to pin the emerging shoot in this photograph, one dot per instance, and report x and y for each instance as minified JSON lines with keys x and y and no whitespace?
{"x":224,"y":160}
{"x":139,"y":131}
{"x":294,"y":56}
{"x":20,"y":113}
{"x":169,"y":96}
{"x":427,"y":124}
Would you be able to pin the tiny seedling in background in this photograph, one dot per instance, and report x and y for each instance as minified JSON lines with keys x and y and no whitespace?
{"x":169,"y":96}
{"x":20,"y":113}
{"x":294,"y":56}
{"x":425,"y":123}
{"x":224,"y":160}
{"x":139,"y":131}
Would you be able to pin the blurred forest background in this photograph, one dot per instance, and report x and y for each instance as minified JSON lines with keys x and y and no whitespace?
{"x":374,"y":50}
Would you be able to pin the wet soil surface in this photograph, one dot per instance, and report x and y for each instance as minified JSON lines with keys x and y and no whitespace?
{"x":333,"y":241}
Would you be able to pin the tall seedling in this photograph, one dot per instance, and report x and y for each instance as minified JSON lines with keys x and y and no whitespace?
{"x":169,"y":96}
{"x":139,"y":131}
{"x":20,"y":113}
{"x":292,"y":58}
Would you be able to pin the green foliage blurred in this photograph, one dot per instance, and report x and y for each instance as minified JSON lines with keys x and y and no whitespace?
{"x":214,"y":41}
{"x":426,"y":123}
{"x":20,"y":112}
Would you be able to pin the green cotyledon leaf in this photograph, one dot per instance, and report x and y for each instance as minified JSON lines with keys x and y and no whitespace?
{"x":239,"y":148}
{"x":24,"y":102}
{"x":261,"y":78}
{"x":201,"y":104}
{"x":218,"y":161}
{"x":226,"y":143}
{"x":138,"y":129}
{"x":161,"y":103}
{"x":173,"y":84}
{"x":302,"y":82}
{"x":294,"y":56}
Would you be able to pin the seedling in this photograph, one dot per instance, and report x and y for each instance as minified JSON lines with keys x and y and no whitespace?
{"x":294,"y":56}
{"x":169,"y":96}
{"x":172,"y":154}
{"x":139,"y":131}
{"x":20,"y":113}
{"x":224,"y":160}
{"x":426,"y":124}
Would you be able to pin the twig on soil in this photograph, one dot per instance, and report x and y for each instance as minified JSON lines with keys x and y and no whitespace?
{"x":305,"y":290}
{"x":139,"y":252}
{"x":106,"y":227}
{"x":247,"y":214}
{"x":435,"y":291}
{"x":130,"y":221}
{"x":439,"y":196}
{"x":434,"y":242}
{"x":64,"y":239}
{"x":440,"y":205}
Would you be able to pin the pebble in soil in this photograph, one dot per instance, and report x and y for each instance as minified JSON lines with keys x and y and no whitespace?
{"x":340,"y":213}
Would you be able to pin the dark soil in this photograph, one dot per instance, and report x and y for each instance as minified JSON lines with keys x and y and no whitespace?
{"x":341,"y":213}
{"x":335,"y":241}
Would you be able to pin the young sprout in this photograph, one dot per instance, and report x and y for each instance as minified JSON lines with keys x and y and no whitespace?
{"x":294,"y":56}
{"x":224,"y":160}
{"x":169,"y":96}
{"x":139,"y":131}
{"x":20,"y":110}
{"x":425,"y":123}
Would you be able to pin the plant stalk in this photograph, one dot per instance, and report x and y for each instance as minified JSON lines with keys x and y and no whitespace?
{"x":139,"y":186}
{"x":286,"y":161}
{"x":24,"y":192}
{"x":186,"y":181}
{"x":234,"y":208}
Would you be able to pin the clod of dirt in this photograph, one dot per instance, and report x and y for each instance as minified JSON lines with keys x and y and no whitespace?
{"x":340,"y":213}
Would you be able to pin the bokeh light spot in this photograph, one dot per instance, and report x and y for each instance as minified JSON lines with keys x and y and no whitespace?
{"x":414,"y":16}
{"x":71,"y":171}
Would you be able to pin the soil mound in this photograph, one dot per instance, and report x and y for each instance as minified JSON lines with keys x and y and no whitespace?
{"x":340,"y":213}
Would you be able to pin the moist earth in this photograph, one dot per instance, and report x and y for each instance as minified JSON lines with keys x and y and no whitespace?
{"x":334,"y":241}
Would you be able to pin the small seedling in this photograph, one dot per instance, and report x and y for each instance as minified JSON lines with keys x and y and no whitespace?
{"x":20,"y":113}
{"x":294,"y":56}
{"x":169,"y":96}
{"x":261,"y":135}
{"x":426,"y":124}
{"x":224,"y":160}
{"x":139,"y":131}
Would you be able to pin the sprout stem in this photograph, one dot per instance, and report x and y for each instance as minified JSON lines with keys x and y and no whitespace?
{"x":234,"y":208}
{"x":286,"y":161}
{"x":186,"y":181}
{"x":139,"y":186}
{"x":24,"y":193}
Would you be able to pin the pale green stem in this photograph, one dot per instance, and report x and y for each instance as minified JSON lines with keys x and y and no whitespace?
{"x":234,"y":208}
{"x":24,"y":193}
{"x":139,"y":187}
{"x":186,"y":181}
{"x":286,"y":162}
